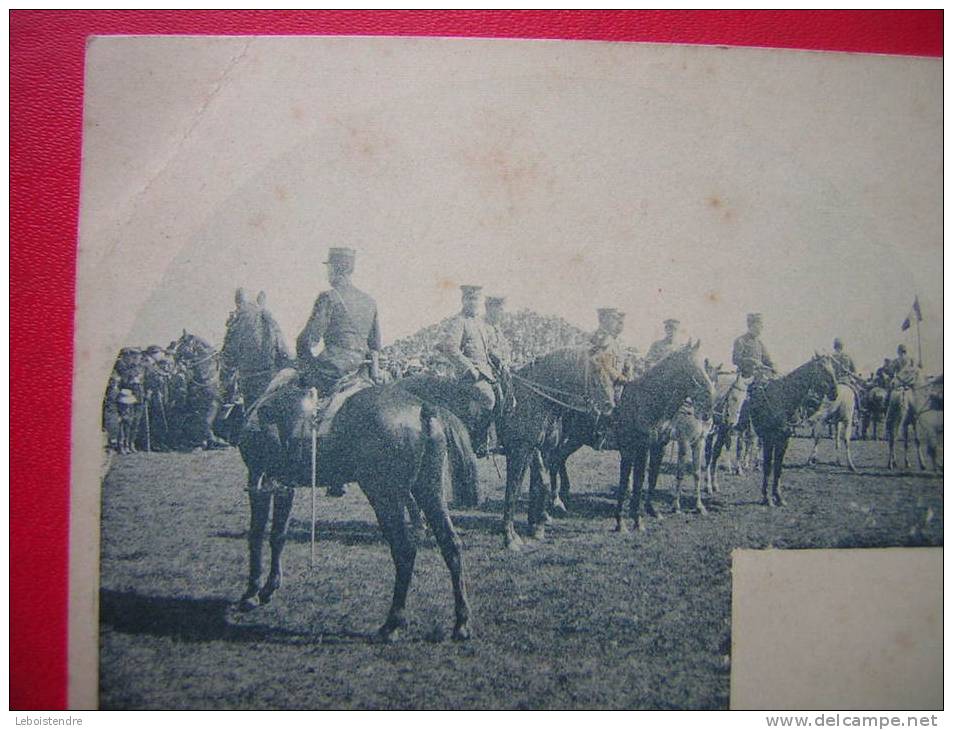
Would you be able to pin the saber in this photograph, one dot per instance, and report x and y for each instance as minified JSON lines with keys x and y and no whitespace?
{"x":314,"y":485}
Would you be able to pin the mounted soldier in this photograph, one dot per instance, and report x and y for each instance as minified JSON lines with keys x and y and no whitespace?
{"x":664,"y":347}
{"x":470,"y":347}
{"x":494,"y":325}
{"x":345,"y":319}
{"x":750,"y":355}
{"x":881,"y":378}
{"x":843,"y":364}
{"x":608,"y":361}
{"x":903,"y":370}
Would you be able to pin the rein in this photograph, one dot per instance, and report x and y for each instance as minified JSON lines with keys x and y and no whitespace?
{"x":543,"y":391}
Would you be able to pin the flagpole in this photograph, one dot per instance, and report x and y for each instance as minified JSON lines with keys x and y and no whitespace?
{"x":919,"y":351}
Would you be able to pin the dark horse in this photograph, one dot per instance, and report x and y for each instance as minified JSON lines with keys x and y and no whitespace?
{"x":255,"y":350}
{"x":775,"y":408}
{"x":644,"y":413}
{"x":535,"y":398}
{"x":199,"y":364}
{"x":394,"y":446}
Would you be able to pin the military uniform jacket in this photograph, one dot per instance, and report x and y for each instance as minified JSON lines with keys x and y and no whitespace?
{"x":345,"y":319}
{"x":904,"y":369}
{"x":496,"y":342}
{"x":660,"y":349}
{"x":468,"y":345}
{"x":747,"y":352}
{"x":605,"y":351}
{"x":843,"y":365}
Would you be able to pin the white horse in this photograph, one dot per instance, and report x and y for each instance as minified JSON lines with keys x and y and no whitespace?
{"x":730,"y":394}
{"x":913,"y":406}
{"x":689,"y":433}
{"x":838,"y":413}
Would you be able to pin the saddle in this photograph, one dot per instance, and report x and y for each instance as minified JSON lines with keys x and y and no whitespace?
{"x":289,"y":411}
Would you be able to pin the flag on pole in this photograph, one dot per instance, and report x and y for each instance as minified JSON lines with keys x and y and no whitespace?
{"x":915,"y":312}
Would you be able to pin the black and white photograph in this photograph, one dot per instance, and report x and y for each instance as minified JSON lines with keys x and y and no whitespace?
{"x":506,"y":374}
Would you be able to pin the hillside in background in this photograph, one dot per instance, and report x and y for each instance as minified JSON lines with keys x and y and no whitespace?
{"x":529,"y":333}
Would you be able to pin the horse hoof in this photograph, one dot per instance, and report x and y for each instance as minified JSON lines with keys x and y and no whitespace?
{"x":700,"y":508}
{"x":538,"y":533}
{"x":779,"y":501}
{"x":462,"y":632}
{"x":388,"y":632}
{"x":248,"y":604}
{"x":558,"y":509}
{"x":640,"y":524}
{"x":620,"y":527}
{"x":547,"y":518}
{"x":514,"y":543}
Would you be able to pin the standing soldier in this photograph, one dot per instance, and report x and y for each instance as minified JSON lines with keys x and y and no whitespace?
{"x":666,"y":346}
{"x":469,"y":347}
{"x":345,"y":319}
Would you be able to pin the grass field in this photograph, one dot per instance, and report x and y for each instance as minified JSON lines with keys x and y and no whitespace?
{"x":586,"y":619}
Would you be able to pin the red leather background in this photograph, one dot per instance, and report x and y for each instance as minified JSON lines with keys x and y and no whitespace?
{"x":45,"y":130}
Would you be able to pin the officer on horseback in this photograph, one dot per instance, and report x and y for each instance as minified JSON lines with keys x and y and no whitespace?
{"x":664,"y":347}
{"x":470,"y":347}
{"x":494,"y":326}
{"x":608,"y":361}
{"x":749,"y":354}
{"x":903,"y":370}
{"x":345,"y":319}
{"x":844,"y":369}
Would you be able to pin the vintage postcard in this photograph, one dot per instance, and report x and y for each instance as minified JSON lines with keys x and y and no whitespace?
{"x":492,"y":374}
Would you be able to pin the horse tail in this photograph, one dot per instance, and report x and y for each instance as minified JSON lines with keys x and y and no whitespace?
{"x":463,"y":465}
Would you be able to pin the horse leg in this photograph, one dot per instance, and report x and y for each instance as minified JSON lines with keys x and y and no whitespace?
{"x":260,"y":503}
{"x":622,"y":493}
{"x":537,"y":497}
{"x":283,"y":500}
{"x":781,"y":445}
{"x":560,"y":486}
{"x":656,"y":454}
{"x":389,"y":508}
{"x":816,"y":438}
{"x":697,"y":455}
{"x":767,"y":448}
{"x":429,"y":497}
{"x":847,"y":439}
{"x":516,"y":463}
{"x":638,"y":474}
{"x":679,"y":468}
{"x":917,"y":445}
{"x":719,"y":441}
{"x":416,"y":520}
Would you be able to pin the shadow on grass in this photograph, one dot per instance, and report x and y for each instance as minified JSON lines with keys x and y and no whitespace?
{"x":346,"y":532}
{"x":200,"y":620}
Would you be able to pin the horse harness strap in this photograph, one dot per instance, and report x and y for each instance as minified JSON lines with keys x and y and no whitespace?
{"x":541,"y":390}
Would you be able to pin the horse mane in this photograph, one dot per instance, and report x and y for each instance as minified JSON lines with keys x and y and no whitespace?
{"x":568,"y":368}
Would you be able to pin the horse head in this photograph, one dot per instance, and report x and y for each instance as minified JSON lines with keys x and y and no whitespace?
{"x":825,"y":376}
{"x":683,"y":376}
